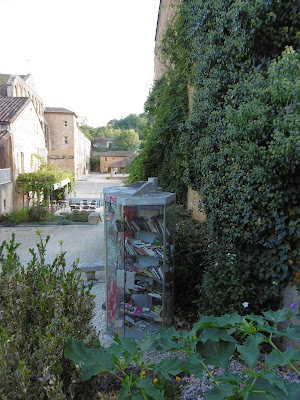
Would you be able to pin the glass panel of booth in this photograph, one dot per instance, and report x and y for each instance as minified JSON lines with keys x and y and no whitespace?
{"x":139,"y":268}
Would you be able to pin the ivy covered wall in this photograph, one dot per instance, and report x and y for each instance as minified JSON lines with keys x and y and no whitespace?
{"x":239,"y":145}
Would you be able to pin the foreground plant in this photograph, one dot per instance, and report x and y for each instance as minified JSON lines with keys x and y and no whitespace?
{"x":212,"y":341}
{"x":40,"y":306}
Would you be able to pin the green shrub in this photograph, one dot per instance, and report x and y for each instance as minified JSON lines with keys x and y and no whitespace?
{"x":38,"y":214}
{"x":229,"y":281}
{"x":236,"y":141}
{"x":76,"y":216}
{"x":191,"y":252}
{"x":41,"y":305}
{"x":16,"y":216}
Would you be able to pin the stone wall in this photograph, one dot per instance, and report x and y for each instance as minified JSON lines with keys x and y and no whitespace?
{"x":61,"y":140}
{"x":18,"y":87}
{"x":166,"y":12}
{"x":69,"y":148}
{"x":106,"y":161}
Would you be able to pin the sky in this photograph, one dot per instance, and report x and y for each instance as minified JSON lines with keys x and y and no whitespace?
{"x":93,"y":57}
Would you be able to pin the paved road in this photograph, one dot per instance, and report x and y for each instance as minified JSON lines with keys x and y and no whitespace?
{"x":85,"y":242}
{"x":91,"y":186}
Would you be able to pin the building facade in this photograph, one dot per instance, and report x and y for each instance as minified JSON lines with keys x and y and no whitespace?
{"x":110,"y":157}
{"x":21,"y":137}
{"x":69,"y":148}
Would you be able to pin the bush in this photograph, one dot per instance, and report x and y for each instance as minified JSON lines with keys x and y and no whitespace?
{"x":41,"y":306}
{"x":230,"y":284}
{"x":191,"y":251}
{"x":38,"y":214}
{"x":78,"y":216}
{"x":16,"y":216}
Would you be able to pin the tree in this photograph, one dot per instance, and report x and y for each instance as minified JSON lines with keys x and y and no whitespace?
{"x":133,"y":121}
{"x":127,"y":140}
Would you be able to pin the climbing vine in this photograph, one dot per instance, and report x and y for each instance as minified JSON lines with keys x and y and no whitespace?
{"x":227,"y":124}
{"x":40,"y":182}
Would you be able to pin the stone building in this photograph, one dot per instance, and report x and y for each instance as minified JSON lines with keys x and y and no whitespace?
{"x":166,"y":12}
{"x":25,"y":130}
{"x":69,"y":148}
{"x":21,"y":136}
{"x":24,"y":86}
{"x":111,"y":157}
{"x":119,"y":166}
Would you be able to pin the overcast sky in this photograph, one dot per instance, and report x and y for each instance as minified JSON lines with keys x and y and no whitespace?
{"x":94,"y":57}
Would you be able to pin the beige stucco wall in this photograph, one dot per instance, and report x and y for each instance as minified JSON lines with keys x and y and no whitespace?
{"x":193,"y":203}
{"x":61,"y":126}
{"x":74,"y":155}
{"x":166,"y":12}
{"x":27,"y":139}
{"x":106,"y":161}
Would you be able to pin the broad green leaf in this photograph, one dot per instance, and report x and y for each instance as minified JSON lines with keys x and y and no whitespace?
{"x":150,"y":389}
{"x":277,"y":316}
{"x":204,"y":322}
{"x":220,"y":392}
{"x":293,"y":332}
{"x":255,"y":318}
{"x":277,"y":358}
{"x":293,"y":391}
{"x":115,"y":350}
{"x":135,"y":396}
{"x":272,"y":392}
{"x":129,"y":344}
{"x":93,"y":361}
{"x":193,"y":365}
{"x":166,"y":344}
{"x":271,"y":377}
{"x":172,"y":366}
{"x":230,"y":377}
{"x":215,"y":334}
{"x":148,"y":344}
{"x":249,"y":350}
{"x":216,"y":353}
{"x":124,"y":390}
{"x":228,"y":320}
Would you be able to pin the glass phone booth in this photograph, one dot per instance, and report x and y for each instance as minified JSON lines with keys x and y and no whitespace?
{"x":139,"y":254}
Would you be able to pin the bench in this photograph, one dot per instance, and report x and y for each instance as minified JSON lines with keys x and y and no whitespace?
{"x":91,"y":272}
{"x":94,"y":218}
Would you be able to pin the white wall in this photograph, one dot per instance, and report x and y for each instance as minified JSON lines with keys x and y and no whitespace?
{"x":82,"y":152}
{"x":28,"y":138}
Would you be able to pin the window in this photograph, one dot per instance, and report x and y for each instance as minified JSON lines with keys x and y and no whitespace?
{"x":105,"y":158}
{"x":4,"y":203}
{"x":66,"y":123}
{"x":65,"y":139}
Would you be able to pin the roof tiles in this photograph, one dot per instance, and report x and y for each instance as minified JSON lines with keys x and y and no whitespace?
{"x":117,"y":154}
{"x":59,"y":110}
{"x":11,"y":107}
